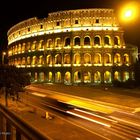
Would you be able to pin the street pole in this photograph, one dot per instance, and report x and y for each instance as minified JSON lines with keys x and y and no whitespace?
{"x":3,"y":54}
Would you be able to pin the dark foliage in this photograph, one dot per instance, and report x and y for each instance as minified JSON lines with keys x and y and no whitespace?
{"x":13,"y":79}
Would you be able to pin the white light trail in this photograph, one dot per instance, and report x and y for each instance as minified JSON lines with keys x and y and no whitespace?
{"x":89,"y":113}
{"x":125,"y":121}
{"x":89,"y":119}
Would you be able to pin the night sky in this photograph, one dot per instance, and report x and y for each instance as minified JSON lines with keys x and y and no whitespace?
{"x":12,"y":12}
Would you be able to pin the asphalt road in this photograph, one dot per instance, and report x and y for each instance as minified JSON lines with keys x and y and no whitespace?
{"x":119,"y":124}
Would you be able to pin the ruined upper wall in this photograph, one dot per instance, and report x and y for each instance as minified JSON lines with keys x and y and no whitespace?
{"x":65,"y":21}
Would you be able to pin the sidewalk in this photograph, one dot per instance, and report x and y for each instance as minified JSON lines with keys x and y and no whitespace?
{"x":56,"y":128}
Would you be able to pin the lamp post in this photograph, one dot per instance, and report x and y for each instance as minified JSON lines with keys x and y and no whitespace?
{"x":3,"y":54}
{"x":129,"y":12}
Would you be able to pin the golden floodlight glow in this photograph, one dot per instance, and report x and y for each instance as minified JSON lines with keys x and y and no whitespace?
{"x":130,"y":11}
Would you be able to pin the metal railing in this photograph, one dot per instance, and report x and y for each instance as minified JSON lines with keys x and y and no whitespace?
{"x":14,"y":128}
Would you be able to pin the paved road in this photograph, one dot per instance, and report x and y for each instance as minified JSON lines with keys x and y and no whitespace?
{"x":123,"y":129}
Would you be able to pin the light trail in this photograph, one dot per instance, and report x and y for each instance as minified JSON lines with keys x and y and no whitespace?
{"x":125,"y":121}
{"x":89,"y":119}
{"x":95,"y":115}
{"x":38,"y":94}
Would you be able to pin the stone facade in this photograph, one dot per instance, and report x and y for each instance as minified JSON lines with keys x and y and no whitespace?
{"x":74,"y":46}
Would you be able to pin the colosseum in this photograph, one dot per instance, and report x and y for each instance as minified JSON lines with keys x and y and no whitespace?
{"x":72,"y":47}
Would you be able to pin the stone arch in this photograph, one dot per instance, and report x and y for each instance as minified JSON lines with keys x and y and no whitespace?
{"x":126,"y":58}
{"x":23,"y":47}
{"x":77,"y":41}
{"x":107,"y":58}
{"x":67,"y":59}
{"x":50,"y":76}
{"x":36,"y":76}
{"x":16,"y":49}
{"x":58,"y":42}
{"x":97,"y":40}
{"x":28,"y":46}
{"x":23,"y":61}
{"x":77,"y":58}
{"x":28,"y":60}
{"x":41,"y":45}
{"x":116,"y":40}
{"x":107,"y":77}
{"x":117,"y":58}
{"x":77,"y":77}
{"x":41,"y":76}
{"x":87,"y":41}
{"x":87,"y":58}
{"x":49,"y":60}
{"x":58,"y":77}
{"x":117,"y":75}
{"x":97,"y":58}
{"x":19,"y":61}
{"x":41,"y":60}
{"x":107,"y":40}
{"x":49,"y":43}
{"x":67,"y":41}
{"x":15,"y":61}
{"x":58,"y":59}
{"x":67,"y":77}
{"x":125,"y":76}
{"x":33,"y":47}
{"x":97,"y":77}
{"x":19,"y":48}
{"x":34,"y":60}
{"x":87,"y":77}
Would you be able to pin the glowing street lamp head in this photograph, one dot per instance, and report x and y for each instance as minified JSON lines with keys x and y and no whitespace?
{"x":130,"y":11}
{"x":4,"y":53}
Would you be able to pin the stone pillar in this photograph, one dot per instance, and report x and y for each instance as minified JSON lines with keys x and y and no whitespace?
{"x":82,"y":76}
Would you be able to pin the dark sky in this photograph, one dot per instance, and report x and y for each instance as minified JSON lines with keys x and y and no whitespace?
{"x":12,"y":12}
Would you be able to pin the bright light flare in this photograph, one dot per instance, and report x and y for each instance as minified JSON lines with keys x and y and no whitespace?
{"x":130,"y":11}
{"x":89,"y":119}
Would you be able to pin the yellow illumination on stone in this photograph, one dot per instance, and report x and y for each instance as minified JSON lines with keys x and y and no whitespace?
{"x":86,"y":46}
{"x":66,"y":65}
{"x":77,"y":65}
{"x":48,"y":31}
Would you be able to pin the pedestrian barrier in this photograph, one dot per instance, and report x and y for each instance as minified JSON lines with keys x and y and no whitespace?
{"x":13,"y":127}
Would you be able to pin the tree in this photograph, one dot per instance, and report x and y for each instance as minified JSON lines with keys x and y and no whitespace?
{"x":13,"y":80}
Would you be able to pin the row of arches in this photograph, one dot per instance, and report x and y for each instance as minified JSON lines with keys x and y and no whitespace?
{"x":78,"y":77}
{"x":77,"y":58}
{"x":57,"y":43}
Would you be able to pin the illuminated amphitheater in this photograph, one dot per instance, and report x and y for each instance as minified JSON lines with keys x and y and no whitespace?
{"x":73,"y":46}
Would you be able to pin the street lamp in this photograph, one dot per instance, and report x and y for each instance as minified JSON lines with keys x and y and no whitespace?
{"x":3,"y":54}
{"x":130,"y":11}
